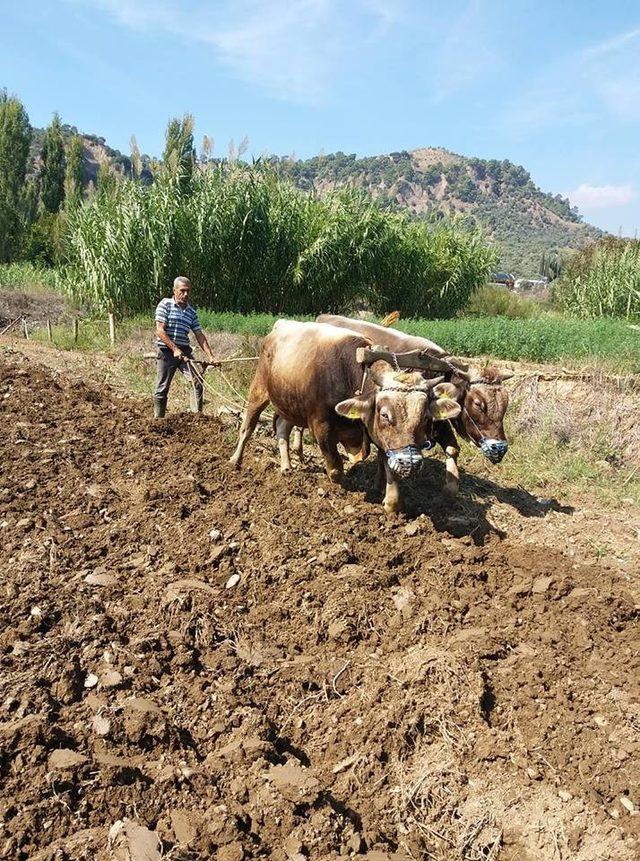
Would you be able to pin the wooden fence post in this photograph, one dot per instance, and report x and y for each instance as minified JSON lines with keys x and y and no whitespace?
{"x":75,"y":330}
{"x":49,"y":331}
{"x":25,"y":328}
{"x":112,"y":330}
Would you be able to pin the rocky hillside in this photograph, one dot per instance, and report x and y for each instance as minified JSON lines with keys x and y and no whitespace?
{"x":501,"y":196}
{"x":96,"y":151}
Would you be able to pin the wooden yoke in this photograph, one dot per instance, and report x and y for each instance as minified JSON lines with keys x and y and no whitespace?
{"x":421,"y":360}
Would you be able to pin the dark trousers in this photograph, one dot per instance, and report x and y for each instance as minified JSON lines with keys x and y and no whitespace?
{"x":167,"y":365}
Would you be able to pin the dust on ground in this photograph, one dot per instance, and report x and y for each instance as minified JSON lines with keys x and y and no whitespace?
{"x":204,"y":663}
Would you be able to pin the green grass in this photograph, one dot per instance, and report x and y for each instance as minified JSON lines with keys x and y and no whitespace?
{"x":539,"y":463}
{"x":607,"y":342}
{"x":28,"y":278}
{"x":548,"y":339}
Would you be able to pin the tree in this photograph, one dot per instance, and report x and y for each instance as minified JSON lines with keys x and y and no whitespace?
{"x":52,"y":172}
{"x":74,"y":173}
{"x":179,"y":153}
{"x":15,"y":138}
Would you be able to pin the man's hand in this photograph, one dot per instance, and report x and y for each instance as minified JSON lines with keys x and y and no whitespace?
{"x":178,"y":354}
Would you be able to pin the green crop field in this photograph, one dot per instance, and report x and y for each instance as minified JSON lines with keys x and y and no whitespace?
{"x":546,"y":339}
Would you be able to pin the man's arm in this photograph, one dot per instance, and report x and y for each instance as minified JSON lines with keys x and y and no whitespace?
{"x":204,"y":344}
{"x":162,"y":335}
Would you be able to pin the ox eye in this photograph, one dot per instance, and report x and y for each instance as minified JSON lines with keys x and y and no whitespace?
{"x":385,"y":415}
{"x":479,"y":405}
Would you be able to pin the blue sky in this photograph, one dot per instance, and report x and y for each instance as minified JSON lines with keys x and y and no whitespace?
{"x":553,"y":86}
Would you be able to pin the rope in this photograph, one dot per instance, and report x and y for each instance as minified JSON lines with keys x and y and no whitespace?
{"x":205,"y":384}
{"x":233,"y":389}
{"x":200,"y":377}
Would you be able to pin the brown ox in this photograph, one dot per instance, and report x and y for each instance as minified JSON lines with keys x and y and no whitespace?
{"x":309,"y":372}
{"x":483,"y":399}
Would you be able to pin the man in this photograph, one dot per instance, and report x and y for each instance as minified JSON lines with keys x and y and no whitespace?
{"x":175,"y":317}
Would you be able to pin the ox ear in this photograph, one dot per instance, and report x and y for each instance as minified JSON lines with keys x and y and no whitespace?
{"x":505,"y":375}
{"x":444,"y":408}
{"x":445,"y":390}
{"x":353,"y":408}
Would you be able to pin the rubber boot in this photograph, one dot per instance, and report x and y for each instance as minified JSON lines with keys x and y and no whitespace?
{"x":197,"y":402}
{"x":159,"y":408}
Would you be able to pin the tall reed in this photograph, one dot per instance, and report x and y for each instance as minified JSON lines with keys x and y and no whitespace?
{"x":251,"y":242}
{"x":602,"y":281}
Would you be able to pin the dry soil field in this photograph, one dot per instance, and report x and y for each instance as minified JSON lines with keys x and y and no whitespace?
{"x":460,"y":683}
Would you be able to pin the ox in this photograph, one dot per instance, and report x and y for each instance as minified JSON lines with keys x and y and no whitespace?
{"x":481,"y":395}
{"x":310,"y":374}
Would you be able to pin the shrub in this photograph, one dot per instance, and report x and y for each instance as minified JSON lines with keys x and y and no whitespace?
{"x":494,"y":301}
{"x":26,"y":276}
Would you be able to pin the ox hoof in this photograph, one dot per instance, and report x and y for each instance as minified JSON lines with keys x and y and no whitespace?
{"x":391,"y":508}
{"x":234,"y":462}
{"x":335,"y":475}
{"x":285,"y":470}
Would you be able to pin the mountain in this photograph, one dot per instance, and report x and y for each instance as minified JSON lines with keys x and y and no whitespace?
{"x":524,"y":221}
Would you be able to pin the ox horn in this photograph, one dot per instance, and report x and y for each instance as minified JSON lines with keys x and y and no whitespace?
{"x":457,"y":363}
{"x":464,"y":375}
{"x":427,"y":385}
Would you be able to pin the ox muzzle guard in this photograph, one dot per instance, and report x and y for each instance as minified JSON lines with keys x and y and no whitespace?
{"x":493,"y":449}
{"x":403,"y":462}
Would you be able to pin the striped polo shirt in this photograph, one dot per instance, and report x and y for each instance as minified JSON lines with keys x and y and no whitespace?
{"x":177,"y":321}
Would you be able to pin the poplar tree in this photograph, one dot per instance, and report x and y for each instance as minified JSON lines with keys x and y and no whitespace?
{"x":52,"y":172}
{"x":74,"y":172}
{"x":15,"y":139}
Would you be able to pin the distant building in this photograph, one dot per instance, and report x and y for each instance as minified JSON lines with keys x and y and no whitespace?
{"x":505,"y":278}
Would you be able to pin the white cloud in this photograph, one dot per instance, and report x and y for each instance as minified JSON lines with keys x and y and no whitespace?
{"x":610,"y":45}
{"x":293,"y":49}
{"x":587,"y":196}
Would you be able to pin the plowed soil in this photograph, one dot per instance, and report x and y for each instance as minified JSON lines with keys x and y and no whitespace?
{"x":203,"y":664}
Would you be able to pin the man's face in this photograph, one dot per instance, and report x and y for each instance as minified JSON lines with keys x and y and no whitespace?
{"x":181,"y":294}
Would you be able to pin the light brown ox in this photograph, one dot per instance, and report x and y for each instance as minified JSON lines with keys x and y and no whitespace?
{"x":482,"y":398}
{"x":309,"y":372}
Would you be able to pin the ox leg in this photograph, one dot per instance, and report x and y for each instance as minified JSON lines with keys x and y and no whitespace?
{"x":447,"y":439}
{"x":297,"y":444}
{"x":391,"y":501}
{"x":452,"y":481}
{"x":283,"y":432}
{"x":327,"y":439}
{"x":258,"y":400}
